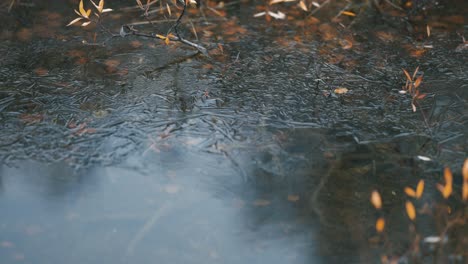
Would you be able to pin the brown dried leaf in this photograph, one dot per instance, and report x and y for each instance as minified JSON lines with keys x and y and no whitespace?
{"x":293,"y":198}
{"x":418,"y":81}
{"x":408,"y":77}
{"x":261,"y":202}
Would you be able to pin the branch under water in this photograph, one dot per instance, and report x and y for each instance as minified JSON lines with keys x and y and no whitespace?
{"x":129,"y":30}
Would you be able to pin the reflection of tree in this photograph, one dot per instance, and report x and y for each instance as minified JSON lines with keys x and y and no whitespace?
{"x":334,"y":191}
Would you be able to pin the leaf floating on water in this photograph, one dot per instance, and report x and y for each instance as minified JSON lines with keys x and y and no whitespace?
{"x":261,"y":202}
{"x":341,"y":90}
{"x":410,"y":192}
{"x":376,"y":200}
{"x":6,"y":244}
{"x":446,"y":190}
{"x":410,"y":210}
{"x":380,"y":225}
{"x":465,"y":181}
{"x":303,"y":6}
{"x":348,"y":13}
{"x":293,"y":198}
{"x":172,"y":188}
{"x":420,"y":189}
{"x":424,"y":158}
{"x":277,"y":15}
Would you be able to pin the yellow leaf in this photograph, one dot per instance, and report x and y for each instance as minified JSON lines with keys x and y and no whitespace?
{"x":410,"y":210}
{"x":380,"y":225}
{"x":160,"y":36}
{"x":88,"y":13}
{"x":101,"y":6}
{"x":74,"y":21}
{"x":376,"y":200}
{"x":410,"y":192}
{"x":348,"y":13}
{"x":167,"y":41}
{"x":82,"y":11}
{"x":420,"y":189}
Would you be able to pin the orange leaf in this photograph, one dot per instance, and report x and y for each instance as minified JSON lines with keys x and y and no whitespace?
{"x":410,"y":192}
{"x":410,"y":210}
{"x":376,"y":200}
{"x":380,"y":224}
{"x":420,"y":189}
{"x":418,"y":81}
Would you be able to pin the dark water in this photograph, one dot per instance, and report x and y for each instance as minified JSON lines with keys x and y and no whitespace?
{"x":131,"y":151}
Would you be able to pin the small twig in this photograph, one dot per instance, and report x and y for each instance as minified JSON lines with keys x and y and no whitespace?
{"x":132,"y":31}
